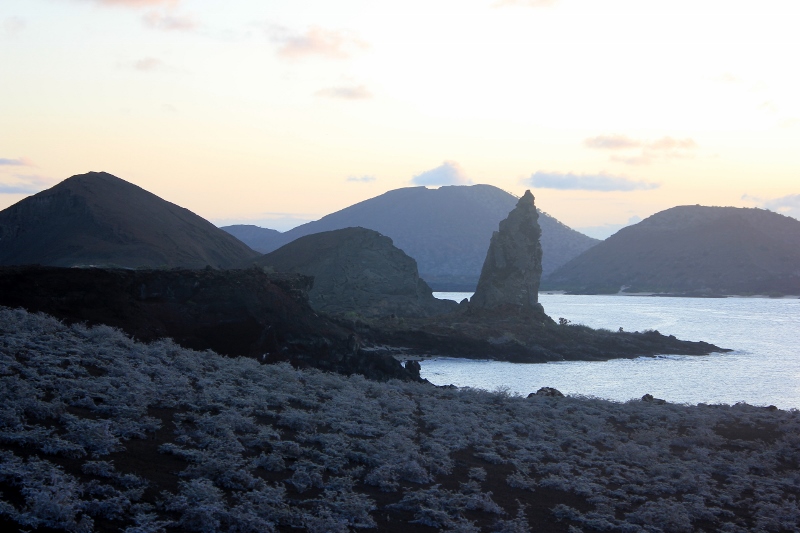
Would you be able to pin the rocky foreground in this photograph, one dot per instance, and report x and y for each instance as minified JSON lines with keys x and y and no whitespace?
{"x":233,"y":312}
{"x":99,"y":432}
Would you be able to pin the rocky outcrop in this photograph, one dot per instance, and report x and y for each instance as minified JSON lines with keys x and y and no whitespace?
{"x":99,"y":219}
{"x":504,"y":320}
{"x":358,"y":273}
{"x":513,"y":267}
{"x":233,"y":312}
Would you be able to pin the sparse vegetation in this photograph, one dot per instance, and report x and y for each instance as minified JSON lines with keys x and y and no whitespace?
{"x":99,"y":432}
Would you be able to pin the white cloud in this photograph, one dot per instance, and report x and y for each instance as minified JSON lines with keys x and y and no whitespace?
{"x":448,"y":173}
{"x":361,"y":179}
{"x":586,"y":182}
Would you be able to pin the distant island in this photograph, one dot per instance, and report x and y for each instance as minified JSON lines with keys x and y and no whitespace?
{"x":692,"y":251}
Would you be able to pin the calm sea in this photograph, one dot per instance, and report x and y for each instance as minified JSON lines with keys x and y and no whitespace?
{"x":763,"y":369}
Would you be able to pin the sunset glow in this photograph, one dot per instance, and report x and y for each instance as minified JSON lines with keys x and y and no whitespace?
{"x":277,"y":112}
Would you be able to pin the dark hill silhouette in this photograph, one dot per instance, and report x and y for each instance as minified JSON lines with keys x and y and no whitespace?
{"x":99,"y":219}
{"x":447,"y":230}
{"x":695,"y":250}
{"x":357,"y":270}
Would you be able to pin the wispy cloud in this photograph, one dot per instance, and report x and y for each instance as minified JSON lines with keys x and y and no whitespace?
{"x":359,"y":92}
{"x":648,"y":151}
{"x":26,"y":184}
{"x":13,"y":26}
{"x":448,"y":173}
{"x":786,"y":205}
{"x":524,"y":3}
{"x":587,"y":182}
{"x":361,"y":179}
{"x":148,"y":64}
{"x":19,"y":162}
{"x":611,"y":142}
{"x":169,"y":21}
{"x":315,"y":42}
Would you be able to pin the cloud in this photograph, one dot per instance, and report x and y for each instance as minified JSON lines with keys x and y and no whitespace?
{"x":587,"y":182}
{"x":611,"y":142}
{"x":26,"y":184}
{"x":361,"y":179}
{"x":13,"y":25}
{"x":359,"y":92}
{"x":148,"y":64}
{"x":315,"y":42}
{"x":668,"y":143}
{"x":665,"y":148}
{"x":786,"y":205}
{"x":448,"y":173}
{"x":524,"y":3}
{"x":169,"y":22}
{"x":19,"y":162}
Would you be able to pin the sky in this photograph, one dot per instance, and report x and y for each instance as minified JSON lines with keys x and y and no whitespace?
{"x":276,"y":112}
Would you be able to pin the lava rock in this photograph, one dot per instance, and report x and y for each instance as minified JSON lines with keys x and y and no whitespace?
{"x":547,"y":391}
{"x":513,"y":267}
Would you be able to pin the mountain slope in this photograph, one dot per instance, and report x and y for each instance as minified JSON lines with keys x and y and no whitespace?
{"x":447,"y":230}
{"x":357,"y":270}
{"x":695,"y":249}
{"x":99,"y":219}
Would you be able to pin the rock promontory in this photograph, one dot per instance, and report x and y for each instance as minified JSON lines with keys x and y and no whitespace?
{"x":513,"y":267}
{"x":358,"y":273}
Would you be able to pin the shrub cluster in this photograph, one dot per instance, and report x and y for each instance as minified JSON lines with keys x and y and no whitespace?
{"x":99,"y":432}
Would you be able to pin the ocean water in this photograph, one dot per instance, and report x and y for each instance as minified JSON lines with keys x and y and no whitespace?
{"x":762,"y":369}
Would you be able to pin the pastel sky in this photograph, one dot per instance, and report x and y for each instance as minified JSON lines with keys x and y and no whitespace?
{"x":275,"y":112}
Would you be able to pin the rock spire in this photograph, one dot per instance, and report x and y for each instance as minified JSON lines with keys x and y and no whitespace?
{"x":513,"y":267}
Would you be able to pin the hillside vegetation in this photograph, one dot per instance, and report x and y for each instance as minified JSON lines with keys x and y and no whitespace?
{"x":99,"y":432}
{"x":695,"y":250}
{"x":446,"y":230}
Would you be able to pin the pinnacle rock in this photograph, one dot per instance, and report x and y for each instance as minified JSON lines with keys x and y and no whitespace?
{"x":513,"y":267}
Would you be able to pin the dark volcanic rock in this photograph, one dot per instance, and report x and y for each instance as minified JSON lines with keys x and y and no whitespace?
{"x":692,"y":250}
{"x":513,"y":266}
{"x":357,"y":271}
{"x":446,"y":230}
{"x":99,"y":219}
{"x":233,"y":312}
{"x":504,"y":320}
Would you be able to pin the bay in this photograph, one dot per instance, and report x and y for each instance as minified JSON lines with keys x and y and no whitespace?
{"x":762,"y":369}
